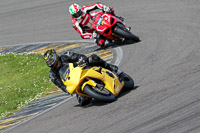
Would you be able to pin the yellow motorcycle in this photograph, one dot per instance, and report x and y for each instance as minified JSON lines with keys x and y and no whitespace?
{"x":95,"y":82}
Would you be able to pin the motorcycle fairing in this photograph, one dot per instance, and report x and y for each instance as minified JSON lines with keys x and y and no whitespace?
{"x":103,"y":23}
{"x":77,"y":79}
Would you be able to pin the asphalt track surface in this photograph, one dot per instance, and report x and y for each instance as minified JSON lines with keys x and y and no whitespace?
{"x":165,"y":66}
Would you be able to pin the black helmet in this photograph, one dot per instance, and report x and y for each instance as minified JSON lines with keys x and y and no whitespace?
{"x":51,"y":58}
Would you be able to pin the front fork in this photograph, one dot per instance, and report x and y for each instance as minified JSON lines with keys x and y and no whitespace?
{"x":122,"y":26}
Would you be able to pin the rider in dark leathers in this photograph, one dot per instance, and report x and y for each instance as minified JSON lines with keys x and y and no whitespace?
{"x":55,"y":62}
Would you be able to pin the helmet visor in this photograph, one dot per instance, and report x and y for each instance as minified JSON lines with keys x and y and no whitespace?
{"x":51,"y":61}
{"x":77,"y":15}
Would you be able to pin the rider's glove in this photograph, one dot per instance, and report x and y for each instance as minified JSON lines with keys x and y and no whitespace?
{"x":82,"y":60}
{"x":107,"y":9}
{"x":94,"y":34}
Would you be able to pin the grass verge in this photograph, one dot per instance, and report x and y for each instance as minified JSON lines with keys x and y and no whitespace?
{"x":23,"y":79}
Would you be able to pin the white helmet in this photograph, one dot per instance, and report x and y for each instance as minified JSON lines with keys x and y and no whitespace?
{"x":76,"y":11}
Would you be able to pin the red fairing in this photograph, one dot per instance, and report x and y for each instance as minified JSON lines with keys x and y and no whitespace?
{"x":101,"y":43}
{"x":105,"y":23}
{"x":102,"y":24}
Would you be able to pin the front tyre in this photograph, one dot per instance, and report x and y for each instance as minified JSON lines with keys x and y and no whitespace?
{"x":126,"y":34}
{"x":99,"y":96}
{"x":128,"y":81}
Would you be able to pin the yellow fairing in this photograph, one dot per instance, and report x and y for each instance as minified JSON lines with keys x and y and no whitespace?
{"x":77,"y":75}
{"x":73,"y":80}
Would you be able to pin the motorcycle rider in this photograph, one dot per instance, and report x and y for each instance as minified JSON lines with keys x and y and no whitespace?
{"x":82,"y":21}
{"x":55,"y":62}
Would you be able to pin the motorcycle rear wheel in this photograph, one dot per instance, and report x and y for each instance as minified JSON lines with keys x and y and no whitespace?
{"x":96,"y":95}
{"x":126,"y":34}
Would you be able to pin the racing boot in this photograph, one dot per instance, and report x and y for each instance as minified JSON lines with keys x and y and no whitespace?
{"x":108,"y":66}
{"x":101,"y":45}
{"x":83,"y":100}
{"x":109,"y":40}
{"x":111,"y":67}
{"x":95,"y":60}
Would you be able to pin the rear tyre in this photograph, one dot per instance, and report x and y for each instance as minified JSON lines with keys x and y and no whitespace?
{"x":128,"y":81}
{"x":99,"y":96}
{"x":126,"y":34}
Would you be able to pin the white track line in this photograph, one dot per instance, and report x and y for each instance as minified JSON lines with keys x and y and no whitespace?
{"x":33,"y":117}
{"x":119,"y":54}
{"x":65,"y":41}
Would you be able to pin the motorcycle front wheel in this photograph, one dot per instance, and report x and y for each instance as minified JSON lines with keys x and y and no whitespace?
{"x":128,"y":81}
{"x":108,"y":97}
{"x":126,"y":34}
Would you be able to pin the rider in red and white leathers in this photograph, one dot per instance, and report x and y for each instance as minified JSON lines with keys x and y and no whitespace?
{"x":82,"y":21}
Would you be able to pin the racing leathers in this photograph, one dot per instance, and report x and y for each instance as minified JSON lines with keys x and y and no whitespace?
{"x":70,"y":57}
{"x":84,"y":25}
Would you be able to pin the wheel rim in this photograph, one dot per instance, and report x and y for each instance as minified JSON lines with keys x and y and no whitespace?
{"x":102,"y":91}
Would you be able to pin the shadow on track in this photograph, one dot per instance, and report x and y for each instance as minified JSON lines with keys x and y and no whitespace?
{"x":117,"y":44}
{"x":99,"y":103}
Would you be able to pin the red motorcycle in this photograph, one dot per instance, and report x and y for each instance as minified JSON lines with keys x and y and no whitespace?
{"x":112,"y":27}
